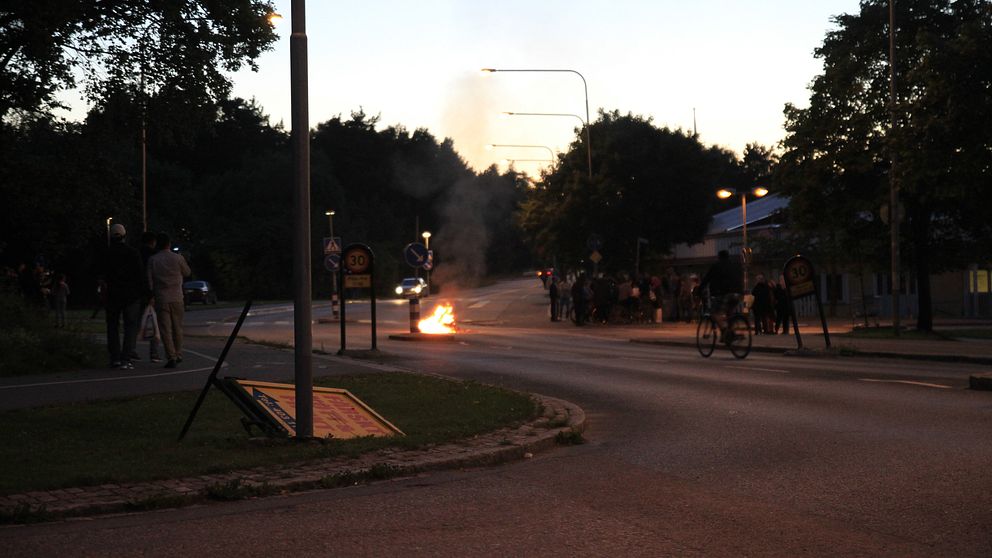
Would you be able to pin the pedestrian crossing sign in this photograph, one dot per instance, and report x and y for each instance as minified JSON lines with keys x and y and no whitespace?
{"x":332,"y":245}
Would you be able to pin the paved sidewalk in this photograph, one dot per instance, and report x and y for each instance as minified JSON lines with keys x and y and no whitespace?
{"x":558,"y":422}
{"x":961,"y":350}
{"x":978,"y":351}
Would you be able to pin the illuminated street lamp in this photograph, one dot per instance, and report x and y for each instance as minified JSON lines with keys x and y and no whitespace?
{"x":758,"y":192}
{"x":585,"y":89}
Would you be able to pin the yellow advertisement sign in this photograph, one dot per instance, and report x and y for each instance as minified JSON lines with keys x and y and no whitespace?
{"x":336,"y":412}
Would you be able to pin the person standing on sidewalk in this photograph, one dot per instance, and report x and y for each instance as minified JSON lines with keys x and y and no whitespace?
{"x":783,"y":307}
{"x":125,"y":287}
{"x":60,"y":298}
{"x":553,"y":293}
{"x":166,"y":271}
{"x":148,"y":249}
{"x":564,"y":298}
{"x":762,"y":305}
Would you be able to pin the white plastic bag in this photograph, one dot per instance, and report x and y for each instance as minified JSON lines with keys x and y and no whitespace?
{"x":149,"y":324}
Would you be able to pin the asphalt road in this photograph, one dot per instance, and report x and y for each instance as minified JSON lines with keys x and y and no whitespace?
{"x":686,"y":456}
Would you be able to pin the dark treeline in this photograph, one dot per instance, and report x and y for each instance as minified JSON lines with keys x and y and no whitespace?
{"x":219,"y":181}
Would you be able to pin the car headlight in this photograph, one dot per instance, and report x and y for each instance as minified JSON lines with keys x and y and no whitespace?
{"x":417,"y":289}
{"x":399,"y":290}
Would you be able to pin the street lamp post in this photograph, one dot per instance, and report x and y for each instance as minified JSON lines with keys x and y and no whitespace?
{"x":585,"y":89}
{"x":510,"y":145}
{"x":758,"y":192}
{"x":427,"y":244}
{"x":585,"y":124}
{"x":511,"y":161}
{"x":896,"y":284}
{"x":300,"y":140}
{"x":334,"y":275}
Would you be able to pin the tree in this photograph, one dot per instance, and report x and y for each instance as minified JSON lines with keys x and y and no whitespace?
{"x":177,"y":46}
{"x":648,"y":182}
{"x":837,"y":151}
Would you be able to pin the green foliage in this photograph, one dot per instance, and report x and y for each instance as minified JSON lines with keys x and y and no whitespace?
{"x":30,"y":344}
{"x":838,"y":151}
{"x":648,"y":182}
{"x":178,"y":46}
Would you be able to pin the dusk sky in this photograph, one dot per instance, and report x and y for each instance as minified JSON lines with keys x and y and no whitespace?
{"x":417,"y":64}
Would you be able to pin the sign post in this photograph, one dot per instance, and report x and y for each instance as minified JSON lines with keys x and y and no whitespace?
{"x":332,"y":261}
{"x":357,"y":272}
{"x":799,"y":281}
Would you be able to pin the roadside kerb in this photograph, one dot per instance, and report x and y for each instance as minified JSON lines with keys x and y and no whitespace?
{"x":557,"y":418}
{"x":976,"y":381}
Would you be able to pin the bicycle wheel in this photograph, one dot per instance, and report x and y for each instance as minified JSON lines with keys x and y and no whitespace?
{"x":739,"y":336}
{"x":706,"y":335}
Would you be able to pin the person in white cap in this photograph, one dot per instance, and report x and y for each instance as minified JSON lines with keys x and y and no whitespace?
{"x":126,"y":284}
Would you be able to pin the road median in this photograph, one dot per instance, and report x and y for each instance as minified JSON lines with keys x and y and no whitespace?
{"x":450,"y":424}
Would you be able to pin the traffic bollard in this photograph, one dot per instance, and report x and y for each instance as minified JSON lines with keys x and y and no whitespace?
{"x":414,"y":315}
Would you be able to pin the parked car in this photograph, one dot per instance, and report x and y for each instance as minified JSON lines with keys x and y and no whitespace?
{"x":199,"y":291}
{"x":413,"y":287}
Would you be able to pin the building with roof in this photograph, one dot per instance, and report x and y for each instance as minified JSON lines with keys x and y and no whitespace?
{"x":863,"y":297}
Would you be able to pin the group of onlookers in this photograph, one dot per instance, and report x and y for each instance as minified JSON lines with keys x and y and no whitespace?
{"x":770,"y":306}
{"x":131,"y":280}
{"x":669,"y":296}
{"x":135,"y":280}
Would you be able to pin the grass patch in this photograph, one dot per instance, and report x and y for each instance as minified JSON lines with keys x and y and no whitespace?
{"x":30,"y":343}
{"x":130,"y":440}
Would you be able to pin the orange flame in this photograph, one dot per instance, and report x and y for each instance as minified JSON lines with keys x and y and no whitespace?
{"x":441,"y":321}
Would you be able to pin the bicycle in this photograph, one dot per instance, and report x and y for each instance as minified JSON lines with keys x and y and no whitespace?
{"x":736,"y":335}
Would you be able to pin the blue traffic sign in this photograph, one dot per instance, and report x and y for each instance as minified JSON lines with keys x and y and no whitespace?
{"x":415,"y":254}
{"x":332,"y":262}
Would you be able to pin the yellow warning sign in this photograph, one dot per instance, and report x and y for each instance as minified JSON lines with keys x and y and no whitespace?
{"x":336,"y":412}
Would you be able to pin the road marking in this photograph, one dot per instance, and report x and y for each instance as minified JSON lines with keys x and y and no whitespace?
{"x":91,"y":380}
{"x":479,"y":304}
{"x":208,"y":357}
{"x":908,"y":382}
{"x":759,"y":369}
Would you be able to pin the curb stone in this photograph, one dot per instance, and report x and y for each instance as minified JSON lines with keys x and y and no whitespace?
{"x":493,"y":448}
{"x":982,"y":382}
{"x":840,"y":350}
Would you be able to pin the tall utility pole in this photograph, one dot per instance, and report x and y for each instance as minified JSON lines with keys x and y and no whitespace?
{"x":894,"y":213}
{"x":300,"y":138}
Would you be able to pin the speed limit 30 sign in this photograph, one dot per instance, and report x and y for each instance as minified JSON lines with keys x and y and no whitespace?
{"x":357,"y":259}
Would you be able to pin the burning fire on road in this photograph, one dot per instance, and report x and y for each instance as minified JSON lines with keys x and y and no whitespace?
{"x":440,"y":322}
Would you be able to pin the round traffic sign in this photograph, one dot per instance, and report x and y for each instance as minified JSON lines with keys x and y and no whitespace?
{"x":332,"y":262}
{"x":357,"y":259}
{"x":415,"y":254}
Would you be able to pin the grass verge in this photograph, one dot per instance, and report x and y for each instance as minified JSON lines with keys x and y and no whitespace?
{"x":30,"y":343}
{"x":129,"y":440}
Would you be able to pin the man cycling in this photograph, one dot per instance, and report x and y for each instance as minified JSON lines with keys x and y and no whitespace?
{"x":724,"y":282}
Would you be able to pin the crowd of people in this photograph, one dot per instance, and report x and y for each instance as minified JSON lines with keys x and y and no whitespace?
{"x":621,"y":298}
{"x":645,"y":298}
{"x":138,"y":288}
